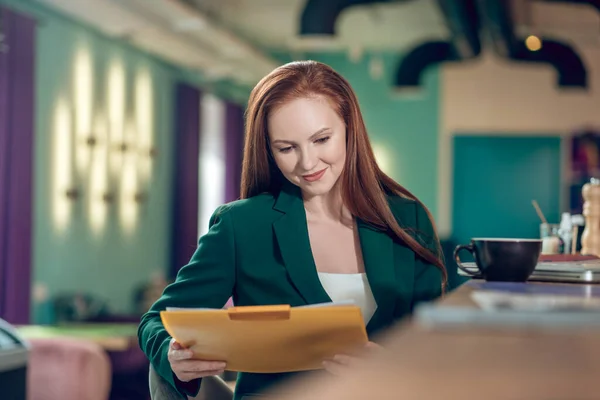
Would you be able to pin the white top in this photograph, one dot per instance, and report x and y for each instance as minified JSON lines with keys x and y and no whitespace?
{"x":353,"y":287}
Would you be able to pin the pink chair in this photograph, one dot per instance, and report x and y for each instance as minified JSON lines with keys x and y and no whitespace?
{"x":67,"y":369}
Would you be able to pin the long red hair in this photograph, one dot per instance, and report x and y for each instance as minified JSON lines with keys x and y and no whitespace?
{"x":364,"y":185}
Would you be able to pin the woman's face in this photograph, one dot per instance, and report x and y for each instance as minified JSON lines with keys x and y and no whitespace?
{"x":308,"y":142}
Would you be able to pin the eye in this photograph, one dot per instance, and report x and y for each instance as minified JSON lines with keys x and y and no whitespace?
{"x":285,"y":149}
{"x":323,"y":139}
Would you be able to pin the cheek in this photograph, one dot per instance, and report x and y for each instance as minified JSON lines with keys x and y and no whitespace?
{"x":337,"y":153}
{"x":285,"y":163}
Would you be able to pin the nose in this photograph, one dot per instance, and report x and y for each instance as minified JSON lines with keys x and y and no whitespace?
{"x":308,"y":160}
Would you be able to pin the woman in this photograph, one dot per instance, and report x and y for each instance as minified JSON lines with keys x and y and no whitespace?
{"x":318,"y":221}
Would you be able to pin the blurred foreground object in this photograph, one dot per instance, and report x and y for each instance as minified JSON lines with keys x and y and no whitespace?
{"x":66,"y":368}
{"x":590,"y":239}
{"x":458,"y":360}
{"x":212,"y":388}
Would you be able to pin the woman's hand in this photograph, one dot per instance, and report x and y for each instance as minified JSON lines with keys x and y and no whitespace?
{"x":187,"y":369}
{"x":342,"y":362}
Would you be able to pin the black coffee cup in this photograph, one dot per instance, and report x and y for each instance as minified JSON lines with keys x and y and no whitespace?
{"x":506,"y":260}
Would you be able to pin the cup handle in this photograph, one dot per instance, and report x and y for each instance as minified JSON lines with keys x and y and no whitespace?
{"x":469,"y":248}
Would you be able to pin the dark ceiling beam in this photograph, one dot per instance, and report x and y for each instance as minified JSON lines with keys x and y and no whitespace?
{"x":591,"y":3}
{"x":412,"y":66}
{"x":496,"y":16}
{"x":319,"y":16}
{"x":462,"y":20}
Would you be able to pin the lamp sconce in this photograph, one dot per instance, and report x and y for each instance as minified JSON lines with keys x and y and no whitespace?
{"x":73,"y":194}
{"x":150,"y":152}
{"x":108,"y":198}
{"x":140,"y":197}
{"x":91,"y":141}
{"x":123,"y":147}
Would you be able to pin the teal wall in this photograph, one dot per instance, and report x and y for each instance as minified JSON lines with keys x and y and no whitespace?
{"x":495,"y":180}
{"x":111,"y":263}
{"x":405,"y":126}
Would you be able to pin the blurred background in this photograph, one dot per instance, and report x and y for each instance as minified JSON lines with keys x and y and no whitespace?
{"x":121,"y":127}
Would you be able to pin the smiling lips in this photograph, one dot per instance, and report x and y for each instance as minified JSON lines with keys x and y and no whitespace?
{"x":314,"y":177}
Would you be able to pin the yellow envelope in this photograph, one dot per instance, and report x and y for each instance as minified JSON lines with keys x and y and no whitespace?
{"x":267,"y":339}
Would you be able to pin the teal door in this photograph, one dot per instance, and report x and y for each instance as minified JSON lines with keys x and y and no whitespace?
{"x":495,"y":180}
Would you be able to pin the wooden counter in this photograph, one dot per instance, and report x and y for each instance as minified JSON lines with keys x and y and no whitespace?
{"x":469,"y":362}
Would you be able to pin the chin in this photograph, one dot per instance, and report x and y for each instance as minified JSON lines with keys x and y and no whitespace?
{"x":316,"y":188}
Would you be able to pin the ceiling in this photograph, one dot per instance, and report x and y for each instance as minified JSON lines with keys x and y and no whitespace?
{"x":174,"y":31}
{"x":274,"y":24}
{"x":576,"y":23}
{"x":397,"y":26}
{"x":215,"y":37}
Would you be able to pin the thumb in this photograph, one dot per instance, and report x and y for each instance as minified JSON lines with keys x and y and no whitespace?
{"x":175,"y":345}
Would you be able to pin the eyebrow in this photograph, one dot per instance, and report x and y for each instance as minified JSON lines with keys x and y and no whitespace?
{"x":310,"y":138}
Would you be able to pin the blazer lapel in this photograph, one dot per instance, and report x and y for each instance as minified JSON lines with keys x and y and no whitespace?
{"x":291,"y":232}
{"x":378,"y":255}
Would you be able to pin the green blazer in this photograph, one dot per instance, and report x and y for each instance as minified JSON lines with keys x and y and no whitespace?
{"x":258,"y":251}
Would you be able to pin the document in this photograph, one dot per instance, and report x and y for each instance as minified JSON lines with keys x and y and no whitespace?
{"x":499,"y":301}
{"x":268,"y":339}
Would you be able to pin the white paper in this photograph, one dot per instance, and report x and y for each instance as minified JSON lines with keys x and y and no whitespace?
{"x":498,"y":301}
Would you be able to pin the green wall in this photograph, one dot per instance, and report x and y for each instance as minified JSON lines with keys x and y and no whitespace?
{"x":404,"y":125}
{"x":112,"y":262}
{"x":495,"y":179}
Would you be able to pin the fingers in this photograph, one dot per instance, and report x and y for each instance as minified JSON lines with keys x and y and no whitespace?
{"x":186,"y":368}
{"x":344,"y":359}
{"x":339,"y":364}
{"x":178,"y":355}
{"x":194,"y":369}
{"x":178,"y":352}
{"x":190,"y":376}
{"x":334,"y":368}
{"x":374,"y":346}
{"x":175,"y":345}
{"x":200,"y":366}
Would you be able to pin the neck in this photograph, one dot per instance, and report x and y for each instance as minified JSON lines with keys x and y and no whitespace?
{"x":328,"y":206}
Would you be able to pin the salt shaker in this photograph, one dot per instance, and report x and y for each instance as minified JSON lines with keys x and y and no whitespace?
{"x":551,"y":242}
{"x":590,"y":238}
{"x":566,"y":232}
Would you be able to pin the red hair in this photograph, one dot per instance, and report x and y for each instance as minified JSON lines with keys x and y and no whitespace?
{"x":364,"y":185}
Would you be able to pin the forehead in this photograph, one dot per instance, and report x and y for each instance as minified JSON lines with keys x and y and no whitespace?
{"x":300,"y":118}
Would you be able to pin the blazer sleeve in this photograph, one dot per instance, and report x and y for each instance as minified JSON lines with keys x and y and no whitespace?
{"x":207,"y":281}
{"x":428,"y":277}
